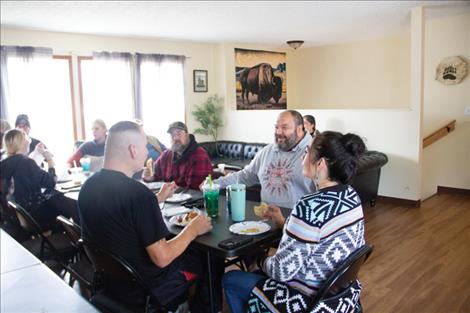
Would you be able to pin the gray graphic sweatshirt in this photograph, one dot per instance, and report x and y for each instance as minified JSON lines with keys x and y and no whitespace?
{"x":279,"y":173}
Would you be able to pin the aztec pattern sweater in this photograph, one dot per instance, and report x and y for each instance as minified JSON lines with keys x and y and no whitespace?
{"x":323,"y":229}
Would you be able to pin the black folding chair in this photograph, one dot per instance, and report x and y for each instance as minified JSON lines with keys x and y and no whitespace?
{"x":119,"y":286}
{"x":80,"y":269}
{"x":55,"y":247}
{"x":343,"y":276}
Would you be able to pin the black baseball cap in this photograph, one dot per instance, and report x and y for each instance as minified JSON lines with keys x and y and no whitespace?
{"x":177,"y":125}
{"x":22,"y":120}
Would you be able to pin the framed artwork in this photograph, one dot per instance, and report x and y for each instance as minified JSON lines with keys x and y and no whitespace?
{"x":200,"y":80}
{"x":260,"y":78}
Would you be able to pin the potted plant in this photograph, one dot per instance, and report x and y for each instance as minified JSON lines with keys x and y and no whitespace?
{"x":209,"y":116}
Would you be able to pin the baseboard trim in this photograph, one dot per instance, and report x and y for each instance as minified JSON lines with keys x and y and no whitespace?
{"x":399,"y":201}
{"x":460,"y":191}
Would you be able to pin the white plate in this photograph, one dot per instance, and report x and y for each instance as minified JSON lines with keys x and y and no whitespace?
{"x":179,"y":220}
{"x":177,"y":210}
{"x":249,"y":228}
{"x":156,"y":185}
{"x":179,"y":197}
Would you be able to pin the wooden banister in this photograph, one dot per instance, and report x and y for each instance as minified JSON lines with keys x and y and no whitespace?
{"x":438,"y":134}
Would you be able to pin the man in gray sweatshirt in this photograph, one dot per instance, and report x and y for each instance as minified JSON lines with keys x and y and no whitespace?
{"x":278,"y":166}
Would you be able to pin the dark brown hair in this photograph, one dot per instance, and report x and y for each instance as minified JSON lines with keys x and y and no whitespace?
{"x":341,"y":153}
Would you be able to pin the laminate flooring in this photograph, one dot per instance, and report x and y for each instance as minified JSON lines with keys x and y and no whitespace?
{"x":421,"y":258}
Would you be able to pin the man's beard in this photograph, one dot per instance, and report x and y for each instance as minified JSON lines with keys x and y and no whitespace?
{"x":178,"y":147}
{"x":288,"y":143}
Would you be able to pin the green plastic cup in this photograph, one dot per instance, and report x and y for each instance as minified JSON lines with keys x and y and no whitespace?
{"x":211,"y":199}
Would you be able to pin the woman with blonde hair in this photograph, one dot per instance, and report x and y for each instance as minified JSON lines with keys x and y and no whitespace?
{"x":93,"y":148}
{"x":33,"y":188}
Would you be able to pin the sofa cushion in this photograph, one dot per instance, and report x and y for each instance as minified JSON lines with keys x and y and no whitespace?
{"x":250,"y":150}
{"x":231,"y":149}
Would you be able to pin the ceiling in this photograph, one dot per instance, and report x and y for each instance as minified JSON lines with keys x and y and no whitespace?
{"x":251,"y":22}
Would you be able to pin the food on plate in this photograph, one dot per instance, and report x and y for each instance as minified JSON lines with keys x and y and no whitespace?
{"x":186,"y":218}
{"x":261,"y":209}
{"x":249,"y":230}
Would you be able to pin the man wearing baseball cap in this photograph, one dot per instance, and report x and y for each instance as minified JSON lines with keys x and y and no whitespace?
{"x":186,"y":162}
{"x":22,"y":122}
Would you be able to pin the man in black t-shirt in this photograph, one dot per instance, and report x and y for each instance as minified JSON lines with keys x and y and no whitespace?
{"x":123,"y":216}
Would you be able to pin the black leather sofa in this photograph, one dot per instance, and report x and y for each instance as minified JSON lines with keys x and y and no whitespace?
{"x":236,"y":154}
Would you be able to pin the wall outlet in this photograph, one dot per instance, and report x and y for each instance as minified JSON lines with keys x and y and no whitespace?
{"x":466,"y":111}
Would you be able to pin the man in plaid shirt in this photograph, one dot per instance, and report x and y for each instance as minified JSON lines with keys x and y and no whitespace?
{"x":186,"y":162}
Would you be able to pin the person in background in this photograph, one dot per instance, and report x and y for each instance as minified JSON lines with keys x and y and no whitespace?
{"x":323,"y":229}
{"x":134,"y":226}
{"x":310,"y":125}
{"x":33,"y":188}
{"x":186,"y":162}
{"x":4,"y":127}
{"x":94,"y":148}
{"x":278,"y":166}
{"x":36,"y":148}
{"x":22,"y":122}
{"x":154,"y":147}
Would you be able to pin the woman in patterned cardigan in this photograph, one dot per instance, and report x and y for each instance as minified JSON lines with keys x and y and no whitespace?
{"x":323,"y":229}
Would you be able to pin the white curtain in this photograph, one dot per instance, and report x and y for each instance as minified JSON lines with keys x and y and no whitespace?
{"x":159,"y":92}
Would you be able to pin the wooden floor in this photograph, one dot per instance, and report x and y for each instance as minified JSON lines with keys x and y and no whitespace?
{"x":421,"y":258}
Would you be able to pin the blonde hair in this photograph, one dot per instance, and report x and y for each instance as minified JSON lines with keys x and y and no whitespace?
{"x":13,"y":141}
{"x":100,"y":123}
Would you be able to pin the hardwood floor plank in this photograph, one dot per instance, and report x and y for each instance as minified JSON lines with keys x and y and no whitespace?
{"x":421,"y":260}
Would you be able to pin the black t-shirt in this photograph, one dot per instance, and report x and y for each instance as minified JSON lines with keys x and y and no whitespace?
{"x":122,"y":216}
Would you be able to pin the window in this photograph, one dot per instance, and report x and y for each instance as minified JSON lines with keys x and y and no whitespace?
{"x":106,"y":92}
{"x":40,"y":88}
{"x":162,"y":97}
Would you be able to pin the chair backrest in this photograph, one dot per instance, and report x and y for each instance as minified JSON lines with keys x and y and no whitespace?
{"x":343,"y":276}
{"x":72,"y":230}
{"x":116,"y":276}
{"x":26,"y":220}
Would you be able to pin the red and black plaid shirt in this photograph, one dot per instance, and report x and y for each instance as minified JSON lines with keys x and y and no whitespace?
{"x":190,"y":172}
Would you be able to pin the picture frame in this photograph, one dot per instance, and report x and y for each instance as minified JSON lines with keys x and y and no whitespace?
{"x":200,"y":80}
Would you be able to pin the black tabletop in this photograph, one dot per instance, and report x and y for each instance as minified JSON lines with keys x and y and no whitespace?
{"x":221,"y":231}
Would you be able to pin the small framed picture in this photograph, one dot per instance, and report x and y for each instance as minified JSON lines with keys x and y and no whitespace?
{"x":200,"y":80}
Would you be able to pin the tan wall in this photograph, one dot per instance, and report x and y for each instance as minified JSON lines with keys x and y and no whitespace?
{"x":363,"y":75}
{"x":447,"y":161}
{"x":201,"y":55}
{"x":393,"y":128}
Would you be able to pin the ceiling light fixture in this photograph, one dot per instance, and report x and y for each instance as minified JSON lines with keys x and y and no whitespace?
{"x":295,"y":43}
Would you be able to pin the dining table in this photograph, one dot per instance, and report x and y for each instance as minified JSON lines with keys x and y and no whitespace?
{"x":209,"y":242}
{"x":28,"y":285}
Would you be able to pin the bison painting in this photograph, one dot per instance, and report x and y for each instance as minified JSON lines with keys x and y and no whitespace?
{"x":259,"y":81}
{"x":260,"y":86}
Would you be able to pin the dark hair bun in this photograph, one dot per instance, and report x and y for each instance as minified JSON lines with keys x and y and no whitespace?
{"x":353,"y":144}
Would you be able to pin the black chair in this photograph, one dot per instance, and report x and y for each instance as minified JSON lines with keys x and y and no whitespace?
{"x":339,"y":293}
{"x":56,"y":247}
{"x":80,"y":269}
{"x":343,"y":277}
{"x":119,"y":286}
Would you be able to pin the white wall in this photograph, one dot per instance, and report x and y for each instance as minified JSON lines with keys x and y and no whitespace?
{"x":447,"y":161}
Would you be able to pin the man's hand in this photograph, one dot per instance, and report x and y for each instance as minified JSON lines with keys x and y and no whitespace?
{"x":200,"y":224}
{"x":274,"y":213}
{"x":40,"y":148}
{"x":167,"y":190}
